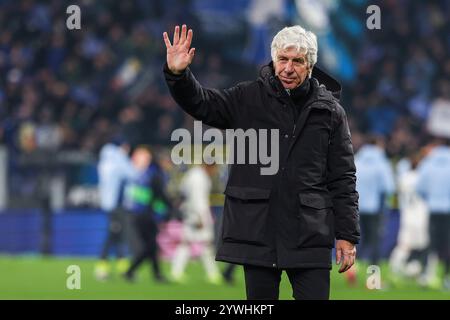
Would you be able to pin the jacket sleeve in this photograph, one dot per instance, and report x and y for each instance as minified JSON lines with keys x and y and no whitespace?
{"x":216,"y":108}
{"x":342,"y":180}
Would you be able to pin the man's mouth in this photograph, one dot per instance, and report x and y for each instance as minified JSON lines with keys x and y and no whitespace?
{"x":287,"y":80}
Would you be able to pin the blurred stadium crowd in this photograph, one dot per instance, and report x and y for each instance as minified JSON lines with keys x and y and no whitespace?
{"x":75,"y":90}
{"x":65,"y":89}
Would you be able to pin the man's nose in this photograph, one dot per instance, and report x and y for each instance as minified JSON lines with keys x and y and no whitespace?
{"x":289,"y":67}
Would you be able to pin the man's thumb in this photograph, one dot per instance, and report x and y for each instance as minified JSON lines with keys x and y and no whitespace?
{"x":338,"y":256}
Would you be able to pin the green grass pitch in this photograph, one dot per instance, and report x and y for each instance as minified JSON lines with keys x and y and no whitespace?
{"x":33,"y":277}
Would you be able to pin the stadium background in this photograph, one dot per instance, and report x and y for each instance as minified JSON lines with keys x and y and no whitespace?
{"x":65,"y":93}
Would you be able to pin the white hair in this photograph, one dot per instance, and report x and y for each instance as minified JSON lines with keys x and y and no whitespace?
{"x":296,"y":37}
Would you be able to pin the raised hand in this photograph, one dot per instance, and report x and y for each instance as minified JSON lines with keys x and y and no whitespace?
{"x":179,"y":54}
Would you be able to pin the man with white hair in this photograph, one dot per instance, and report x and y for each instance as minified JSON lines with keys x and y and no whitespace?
{"x":289,"y":220}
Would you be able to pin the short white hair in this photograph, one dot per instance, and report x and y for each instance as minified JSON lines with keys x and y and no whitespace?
{"x":296,"y":37}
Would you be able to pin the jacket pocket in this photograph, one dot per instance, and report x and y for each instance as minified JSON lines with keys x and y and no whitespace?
{"x":316,"y":221}
{"x":245,"y":215}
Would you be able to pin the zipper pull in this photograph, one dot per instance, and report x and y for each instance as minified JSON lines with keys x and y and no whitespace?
{"x":293,"y":131}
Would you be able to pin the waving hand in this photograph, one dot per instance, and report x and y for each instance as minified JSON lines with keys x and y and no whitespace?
{"x":179,"y":53}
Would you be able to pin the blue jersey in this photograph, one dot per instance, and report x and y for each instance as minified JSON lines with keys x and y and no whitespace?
{"x":145,"y":193}
{"x":374,"y":178}
{"x":434,"y":180}
{"x":114,"y":169}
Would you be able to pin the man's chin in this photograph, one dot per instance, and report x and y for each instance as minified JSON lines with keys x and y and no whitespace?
{"x":289,"y":86}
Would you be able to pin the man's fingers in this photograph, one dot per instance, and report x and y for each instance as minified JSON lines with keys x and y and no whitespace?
{"x":342,"y":267}
{"x":345,"y":254}
{"x":183,"y":34}
{"x":338,"y":256}
{"x":189,"y":39}
{"x":176,"y":35}
{"x":344,"y":264}
{"x":191,"y":55}
{"x":349,"y":261}
{"x":166,"y":40}
{"x":352,"y":262}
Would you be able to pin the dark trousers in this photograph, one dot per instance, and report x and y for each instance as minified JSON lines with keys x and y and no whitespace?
{"x":263,"y":283}
{"x":115,"y":238}
{"x":440,"y":238}
{"x":369,"y":247}
{"x":146,"y":230}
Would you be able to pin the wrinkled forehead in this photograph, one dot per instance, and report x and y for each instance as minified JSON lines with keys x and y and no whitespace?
{"x":292,"y":52}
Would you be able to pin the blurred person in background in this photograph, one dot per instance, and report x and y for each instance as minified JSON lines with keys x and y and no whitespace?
{"x":198,"y":224}
{"x":434,"y":185}
{"x":374,"y":183}
{"x":143,"y":197}
{"x":409,"y":255}
{"x":114,"y":169}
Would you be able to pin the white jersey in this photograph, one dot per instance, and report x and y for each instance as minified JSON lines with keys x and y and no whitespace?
{"x":414,"y":213}
{"x":196,"y":188}
{"x":198,"y":227}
